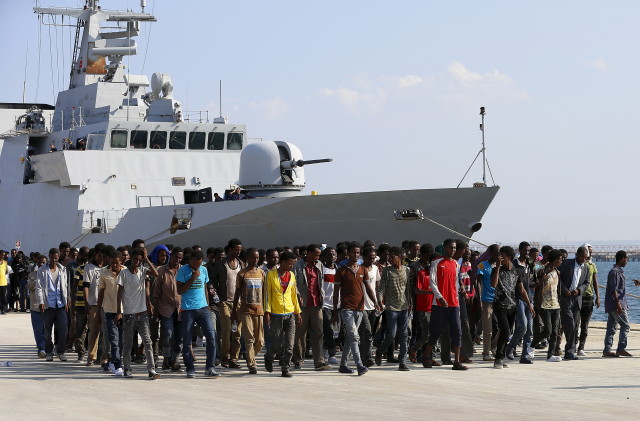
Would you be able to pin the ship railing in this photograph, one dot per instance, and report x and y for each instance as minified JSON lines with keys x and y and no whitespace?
{"x":196,"y":116}
{"x":152,"y":201}
{"x":102,"y":221}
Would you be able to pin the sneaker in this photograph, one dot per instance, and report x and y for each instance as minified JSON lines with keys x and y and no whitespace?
{"x":554,"y":359}
{"x":497,"y":364}
{"x":403,"y":367}
{"x":323,"y":366}
{"x":80,"y":356}
{"x":332,"y":360}
{"x":62,"y":357}
{"x":90,"y":363}
{"x":378,"y":359}
{"x":268,"y":364}
{"x":253,"y":370}
{"x":153,"y":375}
{"x":285,"y":373}
{"x":570,"y":357}
{"x":487,"y":358}
{"x":369,"y":363}
{"x":42,"y":354}
{"x":344,"y":369}
{"x":362,"y":370}
{"x":128,"y":374}
{"x":119,"y":372}
{"x":525,"y":361}
{"x":211,"y":372}
{"x":177,"y":368}
{"x":581,"y":353}
{"x":511,"y":354}
{"x":191,"y":374}
{"x":49,"y":357}
{"x":112,"y":368}
{"x":505,"y":365}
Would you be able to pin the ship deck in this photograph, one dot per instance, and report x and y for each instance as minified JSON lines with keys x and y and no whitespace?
{"x":592,"y":389}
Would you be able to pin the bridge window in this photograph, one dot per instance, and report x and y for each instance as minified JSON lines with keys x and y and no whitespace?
{"x":139,"y":139}
{"x":158,"y":140}
{"x":118,"y":138}
{"x":234,"y":141}
{"x":196,"y":140}
{"x":178,"y":140}
{"x":216,"y":141}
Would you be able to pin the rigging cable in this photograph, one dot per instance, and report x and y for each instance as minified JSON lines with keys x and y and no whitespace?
{"x":39,"y":49}
{"x":146,"y":48}
{"x":55,"y":30}
{"x":53,"y":87}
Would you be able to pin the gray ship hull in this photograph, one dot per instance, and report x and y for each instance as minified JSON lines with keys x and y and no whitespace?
{"x":269,"y":222}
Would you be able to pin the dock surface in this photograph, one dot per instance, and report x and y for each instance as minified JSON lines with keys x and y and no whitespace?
{"x":593,"y":388}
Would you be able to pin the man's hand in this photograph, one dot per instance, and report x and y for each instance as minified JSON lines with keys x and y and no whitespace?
{"x":500,"y":260}
{"x":567,"y":293}
{"x":442,"y":302}
{"x":298,"y":319}
{"x":575,"y":292}
{"x":196,"y":274}
{"x":267,"y":318}
{"x":151,"y":310}
{"x":118,"y":317}
{"x":533,"y":312}
{"x":41,"y":308}
{"x":619,"y":307}
{"x":598,"y":302}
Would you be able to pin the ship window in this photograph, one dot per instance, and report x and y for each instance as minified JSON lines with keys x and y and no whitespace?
{"x":196,"y":140}
{"x":234,"y":141}
{"x":118,"y":138}
{"x":216,"y":141}
{"x":177,"y":140}
{"x":158,"y":140}
{"x":139,"y":139}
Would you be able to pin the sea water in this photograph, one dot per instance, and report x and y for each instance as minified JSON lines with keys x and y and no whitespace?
{"x":631,"y":272}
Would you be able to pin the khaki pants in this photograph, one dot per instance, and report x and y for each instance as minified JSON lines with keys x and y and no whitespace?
{"x":94,"y":332}
{"x":311,"y":323}
{"x":229,"y":341}
{"x":252,"y":332}
{"x":487,"y":329}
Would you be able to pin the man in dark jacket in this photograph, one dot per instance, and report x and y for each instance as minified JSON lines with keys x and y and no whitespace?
{"x":574,"y":279}
{"x":309,"y":277}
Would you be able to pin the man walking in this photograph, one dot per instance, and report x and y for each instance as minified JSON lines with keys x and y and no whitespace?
{"x":309,"y":277}
{"x":574,"y":279}
{"x":590,"y":298}
{"x":52,"y":296}
{"x":615,"y":305}
{"x":165,"y":293}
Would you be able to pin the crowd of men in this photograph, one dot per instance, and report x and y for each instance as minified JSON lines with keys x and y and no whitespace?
{"x":406,"y":305}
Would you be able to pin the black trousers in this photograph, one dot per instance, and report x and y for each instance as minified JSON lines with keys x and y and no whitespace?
{"x":569,"y":313}
{"x":55,"y":317}
{"x":504,"y":317}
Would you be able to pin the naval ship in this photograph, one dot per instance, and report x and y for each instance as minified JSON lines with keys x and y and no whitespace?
{"x":116,"y":159}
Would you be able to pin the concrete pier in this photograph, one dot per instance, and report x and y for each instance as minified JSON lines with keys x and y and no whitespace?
{"x":594,"y":388}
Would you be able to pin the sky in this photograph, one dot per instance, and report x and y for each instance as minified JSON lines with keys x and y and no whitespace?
{"x":392,"y":90}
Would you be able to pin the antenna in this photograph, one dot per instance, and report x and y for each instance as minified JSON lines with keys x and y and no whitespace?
{"x":220,"y":97}
{"x":24,"y":84}
{"x":485,"y":161}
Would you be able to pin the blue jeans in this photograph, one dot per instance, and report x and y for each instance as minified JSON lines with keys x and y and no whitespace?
{"x":202,"y":316}
{"x":115,"y":333}
{"x":523,"y":331}
{"x":614,"y":320}
{"x":38,"y":329}
{"x":396,"y":320}
{"x":171,"y":336}
{"x":351,"y":320}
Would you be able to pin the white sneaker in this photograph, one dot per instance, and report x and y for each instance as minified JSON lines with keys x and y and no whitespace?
{"x":554,"y":359}
{"x":119,"y":372}
{"x":581,"y":353}
{"x":532,"y":354}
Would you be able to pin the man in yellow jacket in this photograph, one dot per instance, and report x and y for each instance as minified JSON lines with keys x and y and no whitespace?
{"x":281,"y":306}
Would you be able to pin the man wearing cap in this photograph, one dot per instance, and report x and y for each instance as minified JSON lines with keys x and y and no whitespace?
{"x":590,"y":297}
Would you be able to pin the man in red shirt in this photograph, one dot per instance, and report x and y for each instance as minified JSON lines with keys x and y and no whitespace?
{"x":310,"y":276}
{"x":420,"y":279}
{"x":446,"y":307}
